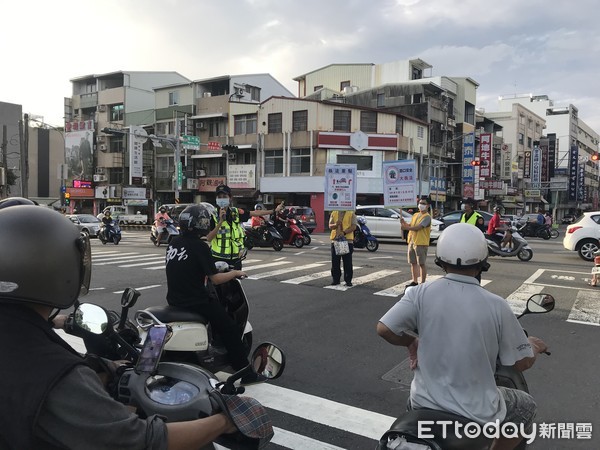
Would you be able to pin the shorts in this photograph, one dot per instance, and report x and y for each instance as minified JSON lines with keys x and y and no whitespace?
{"x":520,"y":407}
{"x":417,"y":254}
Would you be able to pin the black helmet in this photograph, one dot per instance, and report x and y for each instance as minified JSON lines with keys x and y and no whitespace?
{"x":51,"y":268}
{"x":259,"y":207}
{"x":14,"y":201}
{"x":196,"y":219}
{"x":162,"y":209}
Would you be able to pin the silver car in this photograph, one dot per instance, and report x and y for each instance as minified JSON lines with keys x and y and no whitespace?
{"x":86,"y":223}
{"x":384,"y":222}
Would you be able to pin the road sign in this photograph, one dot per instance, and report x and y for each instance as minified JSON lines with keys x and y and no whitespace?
{"x":179,"y":175}
{"x":214,"y":145}
{"x":190,"y":142}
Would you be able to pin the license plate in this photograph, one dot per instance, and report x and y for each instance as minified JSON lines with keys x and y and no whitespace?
{"x":596,"y":270}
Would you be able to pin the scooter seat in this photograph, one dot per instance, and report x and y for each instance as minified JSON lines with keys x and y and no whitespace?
{"x":408,"y":424}
{"x":167,"y":314}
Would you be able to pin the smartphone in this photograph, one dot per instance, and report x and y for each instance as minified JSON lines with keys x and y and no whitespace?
{"x":152,"y":350}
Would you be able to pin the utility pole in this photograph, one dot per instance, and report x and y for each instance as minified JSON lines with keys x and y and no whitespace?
{"x":4,"y":151}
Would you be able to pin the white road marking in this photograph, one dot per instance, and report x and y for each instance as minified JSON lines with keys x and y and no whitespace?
{"x":288,"y":439}
{"x":518,"y":299}
{"x":586,"y":308}
{"x":283,"y":271}
{"x":364,"y":279}
{"x":140,"y":288}
{"x":160,"y":260}
{"x":154,"y":259}
{"x":261,"y":266}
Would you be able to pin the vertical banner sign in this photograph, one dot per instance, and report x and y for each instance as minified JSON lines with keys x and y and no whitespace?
{"x":545,"y":160}
{"x":137,"y":137}
{"x":400,"y":183}
{"x":468,"y":156}
{"x":536,"y":168}
{"x":527,"y":165}
{"x":573,"y":160}
{"x":551,"y":154}
{"x":340,"y":187}
{"x":485,"y":156}
{"x":581,"y":183}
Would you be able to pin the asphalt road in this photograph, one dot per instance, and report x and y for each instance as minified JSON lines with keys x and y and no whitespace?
{"x":343,"y":385}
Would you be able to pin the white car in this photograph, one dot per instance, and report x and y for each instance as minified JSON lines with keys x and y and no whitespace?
{"x":384,"y":222}
{"x":583,"y":236}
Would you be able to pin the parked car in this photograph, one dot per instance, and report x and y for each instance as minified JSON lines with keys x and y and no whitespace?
{"x":306,"y":215}
{"x":583,"y":236}
{"x":87,"y":223}
{"x":384,"y":222}
{"x":454,"y":217}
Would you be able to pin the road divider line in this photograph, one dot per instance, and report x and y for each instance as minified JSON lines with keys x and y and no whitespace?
{"x":283,"y":271}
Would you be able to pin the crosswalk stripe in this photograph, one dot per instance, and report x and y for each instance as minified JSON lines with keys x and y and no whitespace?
{"x":283,"y":271}
{"x":111,"y":257}
{"x":288,"y":439}
{"x":261,"y":266}
{"x":364,"y":279}
{"x":130,"y":259}
{"x":586,"y":308}
{"x":157,"y":261}
{"x":398,"y":289}
{"x":518,"y":299}
{"x":313,"y":276}
{"x":94,"y":253}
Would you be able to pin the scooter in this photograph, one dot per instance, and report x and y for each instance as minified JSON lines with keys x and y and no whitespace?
{"x":305,"y":232}
{"x":179,"y":392}
{"x":530,"y":229}
{"x":193,"y":340}
{"x":170,"y":231}
{"x":290,"y":232}
{"x":405,"y":430}
{"x":521,"y":248}
{"x":363,"y":237}
{"x":114,"y":234}
{"x":267,"y":237}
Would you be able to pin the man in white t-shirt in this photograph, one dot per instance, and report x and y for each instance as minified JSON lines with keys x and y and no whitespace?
{"x":463,"y":330}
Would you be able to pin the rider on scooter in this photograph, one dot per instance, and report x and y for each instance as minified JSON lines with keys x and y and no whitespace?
{"x":159,"y":222}
{"x":258,"y":222}
{"x":107,"y":222}
{"x":463,"y":331}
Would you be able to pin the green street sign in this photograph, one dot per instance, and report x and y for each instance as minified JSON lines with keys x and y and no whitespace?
{"x":190,"y":142}
{"x":179,"y":175}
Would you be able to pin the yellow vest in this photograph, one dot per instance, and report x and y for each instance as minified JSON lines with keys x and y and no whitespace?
{"x":472,"y":220}
{"x":420,"y":237}
{"x":229,"y":240}
{"x":346,"y":223}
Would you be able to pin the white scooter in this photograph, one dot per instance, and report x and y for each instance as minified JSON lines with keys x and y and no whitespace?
{"x":192,"y":340}
{"x":521,"y":248}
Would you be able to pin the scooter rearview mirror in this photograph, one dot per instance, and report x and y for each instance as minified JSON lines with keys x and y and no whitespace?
{"x":91,"y":318}
{"x":540,"y":303}
{"x":129,"y":297}
{"x":268,"y":360}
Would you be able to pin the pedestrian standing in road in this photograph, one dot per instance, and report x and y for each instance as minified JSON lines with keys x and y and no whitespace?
{"x":471,"y":216}
{"x":342,"y":225}
{"x":419,"y":231}
{"x":227,"y":236}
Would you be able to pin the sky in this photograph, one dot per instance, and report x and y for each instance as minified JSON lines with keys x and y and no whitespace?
{"x":509,"y":47}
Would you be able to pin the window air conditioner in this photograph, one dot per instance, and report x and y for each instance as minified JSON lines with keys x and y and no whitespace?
{"x":200,"y":172}
{"x":99,"y":177}
{"x":232,"y":156}
{"x":102,"y":147}
{"x":102,"y":108}
{"x":200,"y":126}
{"x":268,"y":199}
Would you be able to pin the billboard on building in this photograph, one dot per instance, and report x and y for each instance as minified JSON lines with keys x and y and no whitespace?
{"x":79,"y":153}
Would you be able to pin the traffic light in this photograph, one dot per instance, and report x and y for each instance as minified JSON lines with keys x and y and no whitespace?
{"x":67,"y":198}
{"x":475,"y":163}
{"x":595,"y":157}
{"x":229,"y":147}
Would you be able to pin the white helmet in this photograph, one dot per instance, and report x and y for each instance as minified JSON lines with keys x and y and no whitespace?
{"x":461,"y":245}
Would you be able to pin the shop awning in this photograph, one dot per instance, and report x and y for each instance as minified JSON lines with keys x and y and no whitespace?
{"x":209,"y":116}
{"x":244,"y":193}
{"x":510,"y":205}
{"x":207,"y":155}
{"x":543,"y":200}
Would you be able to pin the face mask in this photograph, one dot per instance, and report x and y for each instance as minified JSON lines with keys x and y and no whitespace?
{"x":422,"y":208}
{"x":222,"y":202}
{"x":462,"y":206}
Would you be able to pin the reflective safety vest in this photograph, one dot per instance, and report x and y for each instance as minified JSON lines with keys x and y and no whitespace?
{"x":229,"y":240}
{"x":472,"y":220}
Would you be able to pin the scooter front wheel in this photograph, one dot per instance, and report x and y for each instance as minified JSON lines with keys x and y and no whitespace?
{"x":372,"y":246}
{"x":277,"y":244}
{"x":525,"y":254}
{"x":299,"y":242}
{"x":307,"y":240}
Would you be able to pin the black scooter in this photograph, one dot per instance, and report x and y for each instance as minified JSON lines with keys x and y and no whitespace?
{"x":531,"y":229}
{"x":305,"y":232}
{"x":267,"y":236}
{"x":405,"y":430}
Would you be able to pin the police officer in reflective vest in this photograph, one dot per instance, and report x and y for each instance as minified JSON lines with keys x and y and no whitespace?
{"x":227,"y":236}
{"x":471,"y":216}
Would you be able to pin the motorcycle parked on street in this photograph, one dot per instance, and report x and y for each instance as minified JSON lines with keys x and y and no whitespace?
{"x":363,"y":237}
{"x":267,"y":236}
{"x":114,"y":234}
{"x":177,"y":391}
{"x":405,"y":430}
{"x":520,"y":249}
{"x":170,"y":231}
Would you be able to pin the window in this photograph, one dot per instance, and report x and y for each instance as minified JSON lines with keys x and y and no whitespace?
{"x":216,"y":128}
{"x":254,"y":93}
{"x":380,"y":100}
{"x":529,"y":143}
{"x":417,"y":73}
{"x":300,"y":161}
{"x":273,"y":162}
{"x":530,"y":124}
{"x":341,"y":120}
{"x":344,"y":84}
{"x":320,"y":86}
{"x":245,"y":124}
{"x":116,"y":113}
{"x":521,"y":119}
{"x":399,"y":126}
{"x":362,"y":162}
{"x":521,"y":138}
{"x":368,"y":121}
{"x":116,"y":145}
{"x":417,"y":98}
{"x":300,"y":120}
{"x":115,"y":175}
{"x":173,"y":98}
{"x":274,"y":123}
{"x":164,"y":167}
{"x":420,"y":132}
